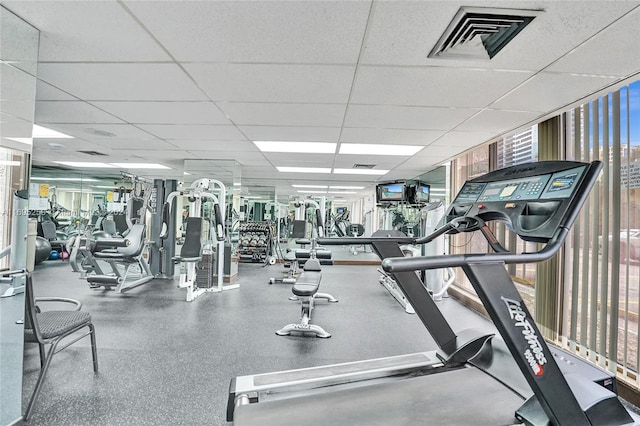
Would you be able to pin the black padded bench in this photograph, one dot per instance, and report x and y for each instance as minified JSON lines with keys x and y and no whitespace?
{"x":306,"y":290}
{"x":324,"y":256}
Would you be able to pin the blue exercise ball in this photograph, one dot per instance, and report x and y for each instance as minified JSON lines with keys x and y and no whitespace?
{"x":43,"y":250}
{"x":54,"y":255}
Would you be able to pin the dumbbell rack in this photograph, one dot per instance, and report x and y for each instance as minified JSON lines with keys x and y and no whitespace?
{"x":254,"y":243}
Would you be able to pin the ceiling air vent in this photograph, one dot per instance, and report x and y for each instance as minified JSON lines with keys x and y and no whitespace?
{"x":91,"y":152}
{"x":363,"y":166}
{"x":480,"y":33}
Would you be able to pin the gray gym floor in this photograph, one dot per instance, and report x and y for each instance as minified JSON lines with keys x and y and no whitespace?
{"x":165,"y":361}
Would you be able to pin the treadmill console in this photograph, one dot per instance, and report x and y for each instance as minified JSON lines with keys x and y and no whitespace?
{"x":532,"y":199}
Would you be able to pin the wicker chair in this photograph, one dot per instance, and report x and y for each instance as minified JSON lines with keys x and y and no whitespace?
{"x":53,"y":328}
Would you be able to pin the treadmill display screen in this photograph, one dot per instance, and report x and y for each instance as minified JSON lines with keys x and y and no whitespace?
{"x":517,"y":189}
{"x":470,"y":192}
{"x":562,"y":184}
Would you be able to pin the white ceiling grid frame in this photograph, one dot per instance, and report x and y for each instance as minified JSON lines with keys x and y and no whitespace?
{"x":282,"y":32}
{"x":71,"y":112}
{"x":175,"y":112}
{"x":102,"y":32}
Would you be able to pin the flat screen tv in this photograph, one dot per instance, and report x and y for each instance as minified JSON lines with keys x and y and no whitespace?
{"x":393,"y":192}
{"x":420,"y":194}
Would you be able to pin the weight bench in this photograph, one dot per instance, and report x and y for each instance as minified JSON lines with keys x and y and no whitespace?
{"x":306,"y":290}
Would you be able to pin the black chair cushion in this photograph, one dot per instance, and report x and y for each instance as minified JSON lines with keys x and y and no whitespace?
{"x":303,"y":241}
{"x":55,"y":323}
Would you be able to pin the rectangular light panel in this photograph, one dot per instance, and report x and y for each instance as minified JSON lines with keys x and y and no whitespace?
{"x":140,"y":166}
{"x":360,"y":172}
{"x":86,"y":165}
{"x":378,"y":149}
{"x":297,"y":147}
{"x":303,"y":170}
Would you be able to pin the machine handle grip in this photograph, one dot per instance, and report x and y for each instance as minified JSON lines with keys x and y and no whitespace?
{"x":319,"y":223}
{"x":166,"y":213}
{"x":219,"y":222}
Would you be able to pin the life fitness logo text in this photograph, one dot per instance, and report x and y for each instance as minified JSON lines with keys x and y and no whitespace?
{"x":534,"y":353}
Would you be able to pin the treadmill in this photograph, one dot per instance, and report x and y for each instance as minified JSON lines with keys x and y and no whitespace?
{"x":473,"y":378}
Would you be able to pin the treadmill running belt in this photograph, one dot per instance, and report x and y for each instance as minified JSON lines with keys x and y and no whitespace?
{"x":459,"y":397}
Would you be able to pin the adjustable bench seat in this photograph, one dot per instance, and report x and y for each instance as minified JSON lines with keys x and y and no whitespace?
{"x":306,"y":290}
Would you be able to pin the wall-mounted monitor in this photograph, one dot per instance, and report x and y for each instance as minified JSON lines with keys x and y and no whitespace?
{"x":420,"y":193}
{"x":392,"y":192}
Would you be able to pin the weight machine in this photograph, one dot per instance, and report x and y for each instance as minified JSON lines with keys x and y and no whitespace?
{"x":199,"y":191}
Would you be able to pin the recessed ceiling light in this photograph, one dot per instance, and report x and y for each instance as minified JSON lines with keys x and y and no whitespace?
{"x":255,"y":197}
{"x":346,"y":187}
{"x":306,"y":147}
{"x":186,"y":173}
{"x":378,"y":149}
{"x":311,"y":191}
{"x":28,"y":141}
{"x":55,"y":145}
{"x":63,"y":179}
{"x":104,"y":186}
{"x":304,"y":169}
{"x":9,"y":163}
{"x":85,"y":164}
{"x":360,"y":171}
{"x":342,"y":192}
{"x":45,"y":133}
{"x":310,"y":186}
{"x":140,"y":165}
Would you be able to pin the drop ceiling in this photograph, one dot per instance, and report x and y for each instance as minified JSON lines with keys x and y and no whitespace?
{"x":186,"y":80}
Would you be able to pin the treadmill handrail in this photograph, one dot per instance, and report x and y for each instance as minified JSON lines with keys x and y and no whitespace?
{"x":340,"y":241}
{"x":419,"y":263}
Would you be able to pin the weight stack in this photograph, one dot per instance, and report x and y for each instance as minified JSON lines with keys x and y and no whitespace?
{"x":205,"y":270}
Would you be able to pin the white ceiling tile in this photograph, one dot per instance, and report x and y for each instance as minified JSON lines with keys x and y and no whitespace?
{"x":71,"y":112}
{"x":293,"y":134}
{"x":122,"y":81}
{"x":344,"y":161}
{"x":16,"y":84}
{"x":298,"y":159}
{"x":281,"y":31}
{"x":406,"y":117}
{"x":268,"y":114}
{"x":16,"y":109}
{"x":138,"y":144}
{"x":193,"y":131}
{"x":214,"y":145}
{"x":396,"y":136}
{"x":46,"y":92}
{"x":154,"y":155}
{"x":461,"y":139}
{"x":424,"y":163}
{"x":433,"y":86}
{"x":84,"y":131}
{"x":491,"y":120}
{"x":550,"y":91}
{"x":87,"y":31}
{"x":165,"y":112}
{"x":243,"y":157}
{"x":614,"y":58}
{"x":274,"y":83}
